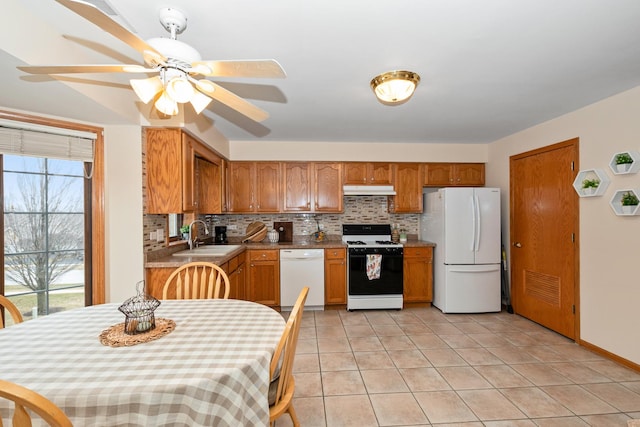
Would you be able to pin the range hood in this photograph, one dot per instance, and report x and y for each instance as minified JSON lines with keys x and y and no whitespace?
{"x":369,"y":190}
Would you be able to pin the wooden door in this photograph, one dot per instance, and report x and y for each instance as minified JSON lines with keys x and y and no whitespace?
{"x":408,"y":186}
{"x":189,"y":196}
{"x":241,"y":178}
{"x":164,"y":171}
{"x":335,"y":276}
{"x":438,"y":174}
{"x":380,"y":173}
{"x":544,"y":226}
{"x":267,"y":191}
{"x":327,"y":179}
{"x":469,"y":174}
{"x":355,"y":173}
{"x":418,"y":274}
{"x":208,"y":186}
{"x":296,"y":186}
{"x":263,"y":281}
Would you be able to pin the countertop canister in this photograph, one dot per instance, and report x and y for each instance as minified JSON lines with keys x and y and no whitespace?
{"x":273,"y":235}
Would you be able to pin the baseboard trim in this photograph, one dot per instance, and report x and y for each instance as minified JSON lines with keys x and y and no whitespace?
{"x":609,"y":355}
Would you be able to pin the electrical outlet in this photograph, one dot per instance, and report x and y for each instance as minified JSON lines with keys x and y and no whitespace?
{"x":232,"y":227}
{"x":160,"y":234}
{"x":152,"y":235}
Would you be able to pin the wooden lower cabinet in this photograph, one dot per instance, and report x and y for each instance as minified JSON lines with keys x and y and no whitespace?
{"x":236,"y":272}
{"x":235,"y":268}
{"x":418,"y":274}
{"x":335,"y":276}
{"x":263,"y":276}
{"x":155,"y":278}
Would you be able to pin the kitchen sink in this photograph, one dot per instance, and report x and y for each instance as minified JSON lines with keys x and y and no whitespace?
{"x":212,"y":250}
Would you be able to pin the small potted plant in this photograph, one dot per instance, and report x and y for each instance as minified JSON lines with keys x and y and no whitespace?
{"x":185,"y":232}
{"x":629,"y":202}
{"x":623,"y":161}
{"x":589,"y":186}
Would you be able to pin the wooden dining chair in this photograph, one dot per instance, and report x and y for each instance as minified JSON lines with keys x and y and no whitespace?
{"x":11,"y":308}
{"x":197,"y":280}
{"x":24,"y":399}
{"x":281,"y":370}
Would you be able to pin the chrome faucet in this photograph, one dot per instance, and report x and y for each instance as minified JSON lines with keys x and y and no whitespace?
{"x":193,"y":241}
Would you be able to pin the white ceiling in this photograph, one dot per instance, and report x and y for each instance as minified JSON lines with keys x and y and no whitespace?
{"x":489,"y":68}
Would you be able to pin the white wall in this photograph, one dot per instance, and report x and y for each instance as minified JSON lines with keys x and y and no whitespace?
{"x":609,"y":287}
{"x":358,"y":151}
{"x":123,"y":211}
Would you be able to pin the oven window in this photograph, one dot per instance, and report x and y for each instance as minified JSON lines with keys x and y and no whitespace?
{"x":390,"y":281}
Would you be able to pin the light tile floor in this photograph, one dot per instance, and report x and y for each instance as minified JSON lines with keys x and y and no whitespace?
{"x":420,"y":367}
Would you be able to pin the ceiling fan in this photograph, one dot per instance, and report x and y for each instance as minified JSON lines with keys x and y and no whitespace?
{"x":174,"y":63}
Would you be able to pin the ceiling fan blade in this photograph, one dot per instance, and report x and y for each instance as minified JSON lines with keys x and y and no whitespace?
{"x":232,"y":100}
{"x":74,"y":69}
{"x":268,"y":68}
{"x":102,"y":20}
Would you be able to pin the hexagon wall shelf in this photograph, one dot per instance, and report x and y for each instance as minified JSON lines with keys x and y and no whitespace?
{"x":627,"y":168}
{"x":598,"y":174}
{"x":617,"y":207}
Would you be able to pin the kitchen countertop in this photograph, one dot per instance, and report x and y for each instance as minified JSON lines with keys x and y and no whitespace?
{"x":165,"y":259}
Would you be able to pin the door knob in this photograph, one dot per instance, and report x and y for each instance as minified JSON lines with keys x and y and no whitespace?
{"x":517,"y":244}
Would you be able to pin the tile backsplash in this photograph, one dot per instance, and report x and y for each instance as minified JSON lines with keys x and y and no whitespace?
{"x":357,"y":210}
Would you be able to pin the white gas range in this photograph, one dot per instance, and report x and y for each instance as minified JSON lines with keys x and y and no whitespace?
{"x":374,"y":267}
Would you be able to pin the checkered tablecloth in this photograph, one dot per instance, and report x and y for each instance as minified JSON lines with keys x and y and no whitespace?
{"x":212,"y":370}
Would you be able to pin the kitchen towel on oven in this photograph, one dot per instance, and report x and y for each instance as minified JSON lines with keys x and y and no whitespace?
{"x":374,"y":262}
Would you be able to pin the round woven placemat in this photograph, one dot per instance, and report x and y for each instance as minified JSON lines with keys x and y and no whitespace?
{"x":115,"y":336}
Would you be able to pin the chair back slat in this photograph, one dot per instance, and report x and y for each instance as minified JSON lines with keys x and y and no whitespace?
{"x":197,"y":280}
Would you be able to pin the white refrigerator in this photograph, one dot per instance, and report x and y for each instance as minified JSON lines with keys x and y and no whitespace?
{"x":464,"y":223}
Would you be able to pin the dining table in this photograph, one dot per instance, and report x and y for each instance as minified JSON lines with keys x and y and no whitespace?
{"x":211,"y":369}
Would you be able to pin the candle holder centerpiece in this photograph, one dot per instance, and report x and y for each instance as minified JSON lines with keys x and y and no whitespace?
{"x":139,"y":312}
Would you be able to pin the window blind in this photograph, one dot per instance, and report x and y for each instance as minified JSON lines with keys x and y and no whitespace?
{"x":25,"y":139}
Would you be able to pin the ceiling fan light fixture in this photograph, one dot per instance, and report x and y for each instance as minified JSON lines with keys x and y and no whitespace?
{"x":205,"y":85}
{"x":146,"y":89}
{"x":395,"y":87}
{"x":166,"y":105}
{"x":180,"y":89}
{"x":199,"y":102}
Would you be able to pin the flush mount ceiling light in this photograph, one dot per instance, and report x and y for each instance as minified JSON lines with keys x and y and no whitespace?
{"x":395,"y":87}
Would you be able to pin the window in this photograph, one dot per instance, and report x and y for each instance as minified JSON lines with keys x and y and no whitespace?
{"x":44,"y":212}
{"x":52,"y":239}
{"x":174,"y":224}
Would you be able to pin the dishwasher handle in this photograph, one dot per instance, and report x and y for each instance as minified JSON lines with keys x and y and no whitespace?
{"x":301,"y":254}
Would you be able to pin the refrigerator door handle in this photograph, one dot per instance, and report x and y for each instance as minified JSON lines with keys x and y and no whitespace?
{"x":476,"y":223}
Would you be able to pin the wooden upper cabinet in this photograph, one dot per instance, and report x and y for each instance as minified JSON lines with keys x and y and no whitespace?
{"x":367,"y":173}
{"x":209,"y":186}
{"x":267,"y":188}
{"x":451,"y":174}
{"x":173,"y":183}
{"x":407,"y":181}
{"x":241,"y":178}
{"x":254,"y":187}
{"x":327,"y":179}
{"x":312,"y":186}
{"x":296,"y":187}
{"x":469,"y":174}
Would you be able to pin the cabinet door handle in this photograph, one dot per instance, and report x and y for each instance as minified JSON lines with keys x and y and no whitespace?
{"x":517,"y":244}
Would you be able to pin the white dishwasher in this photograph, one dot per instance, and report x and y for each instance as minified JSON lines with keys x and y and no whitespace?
{"x":300,"y":268}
